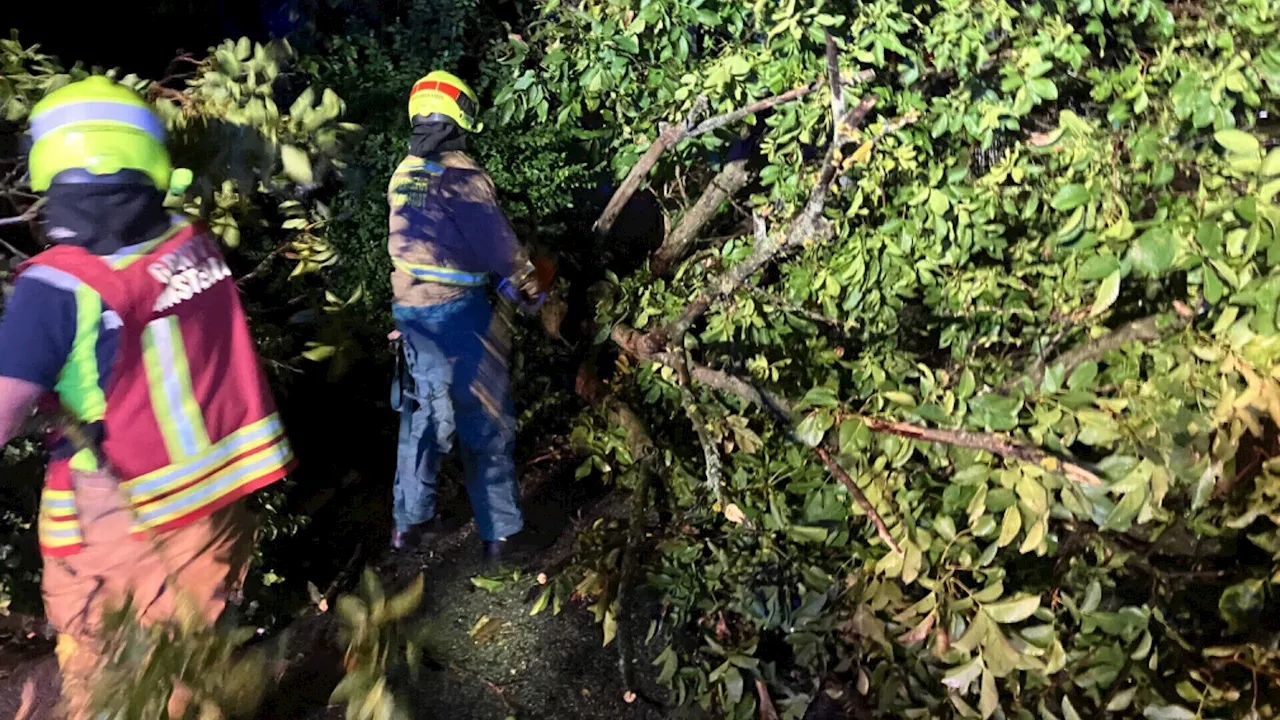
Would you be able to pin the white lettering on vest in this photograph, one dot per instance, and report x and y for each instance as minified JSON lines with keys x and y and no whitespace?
{"x":186,"y":272}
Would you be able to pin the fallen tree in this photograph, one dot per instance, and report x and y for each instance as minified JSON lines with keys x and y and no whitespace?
{"x":1006,"y":316}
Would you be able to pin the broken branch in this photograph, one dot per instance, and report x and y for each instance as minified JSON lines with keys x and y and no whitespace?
{"x":808,"y":225}
{"x":723,"y":186}
{"x":640,"y":170}
{"x":676,"y":133}
{"x":987,"y":442}
{"x":833,"y":77}
{"x":881,"y":529}
{"x":1147,"y":329}
{"x":728,"y":118}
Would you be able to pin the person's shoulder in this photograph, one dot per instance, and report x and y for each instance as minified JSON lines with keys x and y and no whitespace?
{"x":465,"y":178}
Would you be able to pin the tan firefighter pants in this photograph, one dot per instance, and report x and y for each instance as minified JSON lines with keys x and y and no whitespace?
{"x":206,"y":560}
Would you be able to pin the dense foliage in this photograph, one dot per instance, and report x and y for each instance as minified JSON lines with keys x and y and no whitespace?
{"x":963,"y":390}
{"x":1057,"y":222}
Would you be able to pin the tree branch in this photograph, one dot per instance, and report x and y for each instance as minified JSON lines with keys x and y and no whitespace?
{"x":778,"y":406}
{"x":723,"y":186}
{"x":677,"y":133}
{"x":729,"y":118}
{"x":863,"y":502}
{"x":812,"y":315}
{"x":833,"y":77}
{"x":1147,"y":329}
{"x":640,"y":170}
{"x":806,"y":226}
{"x":987,"y":442}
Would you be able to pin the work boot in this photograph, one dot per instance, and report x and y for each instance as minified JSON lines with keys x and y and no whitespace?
{"x":411,"y":539}
{"x":509,"y":551}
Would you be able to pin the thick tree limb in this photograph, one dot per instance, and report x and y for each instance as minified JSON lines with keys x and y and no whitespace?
{"x":988,"y":442}
{"x":723,"y":186}
{"x":1147,"y":329}
{"x":833,"y":77}
{"x":808,"y":225}
{"x":640,"y":170}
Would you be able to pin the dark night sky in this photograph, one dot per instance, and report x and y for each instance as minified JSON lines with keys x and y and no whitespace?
{"x":139,"y":36}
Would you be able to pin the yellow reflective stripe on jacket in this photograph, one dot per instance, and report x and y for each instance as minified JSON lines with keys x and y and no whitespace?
{"x":442,"y":275}
{"x":213,"y":488}
{"x":78,"y":383}
{"x":169,"y":380}
{"x":179,"y":475}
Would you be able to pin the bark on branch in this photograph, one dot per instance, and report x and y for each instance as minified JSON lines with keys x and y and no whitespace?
{"x":626,"y":338}
{"x":1147,"y":329}
{"x":863,"y":502}
{"x":676,"y":133}
{"x":640,"y":170}
{"x":732,"y":178}
{"x":988,"y":442}
{"x":808,"y":225}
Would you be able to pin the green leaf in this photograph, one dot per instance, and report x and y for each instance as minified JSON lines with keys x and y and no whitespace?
{"x":1154,"y":251}
{"x":1167,"y":712}
{"x":1108,"y":291}
{"x":1011,"y":526}
{"x":814,"y":427}
{"x":1238,"y":141}
{"x":808,"y":533}
{"x":960,"y":677}
{"x":319,"y":352}
{"x":297,"y":165}
{"x":1271,"y":166}
{"x":610,"y":628}
{"x":487,"y":584}
{"x":1069,"y":710}
{"x":1069,"y":197}
{"x":1083,"y":376}
{"x":1241,"y":601}
{"x":1011,"y":611}
{"x":1044,"y":88}
{"x":989,"y":700}
{"x":995,"y":411}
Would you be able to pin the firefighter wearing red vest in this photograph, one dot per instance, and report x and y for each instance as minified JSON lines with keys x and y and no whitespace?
{"x":132,"y":322}
{"x":451,"y":244}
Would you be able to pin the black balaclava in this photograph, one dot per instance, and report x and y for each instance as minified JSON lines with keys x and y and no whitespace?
{"x":430,"y":137}
{"x":103,"y":218}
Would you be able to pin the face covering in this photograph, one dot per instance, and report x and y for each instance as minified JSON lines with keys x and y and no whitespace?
{"x":436,"y":137}
{"x":102,"y":218}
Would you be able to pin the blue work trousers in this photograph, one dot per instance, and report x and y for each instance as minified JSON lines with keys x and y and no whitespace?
{"x":454,"y":381}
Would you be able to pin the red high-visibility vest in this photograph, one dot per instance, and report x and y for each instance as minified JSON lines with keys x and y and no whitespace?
{"x":187,"y":420}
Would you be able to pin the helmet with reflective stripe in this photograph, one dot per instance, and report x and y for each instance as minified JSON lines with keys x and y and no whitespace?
{"x":94,"y":130}
{"x":443,"y":96}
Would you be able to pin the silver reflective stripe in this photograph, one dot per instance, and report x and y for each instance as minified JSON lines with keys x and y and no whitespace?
{"x":97,"y":111}
{"x":52,"y":276}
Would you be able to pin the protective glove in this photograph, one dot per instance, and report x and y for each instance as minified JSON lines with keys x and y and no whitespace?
{"x":527,"y":290}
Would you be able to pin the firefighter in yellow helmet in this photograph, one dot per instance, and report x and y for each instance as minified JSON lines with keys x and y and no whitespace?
{"x":451,"y":245}
{"x":130,"y":325}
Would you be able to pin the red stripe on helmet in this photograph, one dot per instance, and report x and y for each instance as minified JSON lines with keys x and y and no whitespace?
{"x":452,"y":91}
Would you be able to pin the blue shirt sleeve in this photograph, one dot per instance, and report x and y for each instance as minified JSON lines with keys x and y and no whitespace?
{"x":37,"y":330}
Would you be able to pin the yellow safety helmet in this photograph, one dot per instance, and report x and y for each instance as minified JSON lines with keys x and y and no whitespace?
{"x":443,"y":95}
{"x":97,"y":127}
